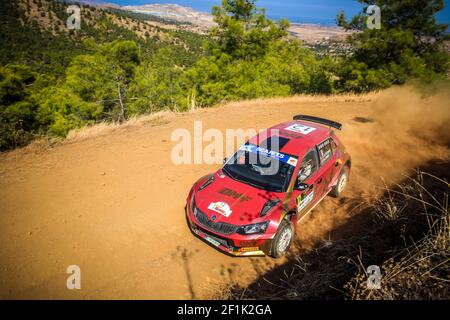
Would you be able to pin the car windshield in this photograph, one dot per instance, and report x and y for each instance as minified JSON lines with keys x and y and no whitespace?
{"x":261,"y":168}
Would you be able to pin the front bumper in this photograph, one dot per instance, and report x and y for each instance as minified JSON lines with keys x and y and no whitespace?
{"x":237,"y":245}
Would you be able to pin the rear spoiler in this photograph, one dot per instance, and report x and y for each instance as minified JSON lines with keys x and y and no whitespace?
{"x":328,"y":123}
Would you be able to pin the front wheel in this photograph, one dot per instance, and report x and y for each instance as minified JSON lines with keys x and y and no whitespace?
{"x":282,"y":240}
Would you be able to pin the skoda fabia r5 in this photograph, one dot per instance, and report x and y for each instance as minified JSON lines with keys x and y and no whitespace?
{"x":251,"y":205}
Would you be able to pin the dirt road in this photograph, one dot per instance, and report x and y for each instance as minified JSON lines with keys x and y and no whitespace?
{"x":113,"y":204}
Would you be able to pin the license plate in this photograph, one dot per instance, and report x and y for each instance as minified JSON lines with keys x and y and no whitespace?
{"x":212,"y":241}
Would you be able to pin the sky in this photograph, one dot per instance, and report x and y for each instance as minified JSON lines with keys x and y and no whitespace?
{"x":304,"y":11}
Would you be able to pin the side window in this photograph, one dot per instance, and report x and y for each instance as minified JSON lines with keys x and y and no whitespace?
{"x":333,"y":146}
{"x":326,"y":150}
{"x":308,"y":166}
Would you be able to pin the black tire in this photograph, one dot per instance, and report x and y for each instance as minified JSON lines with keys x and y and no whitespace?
{"x":337,"y":190}
{"x":276,"y":248}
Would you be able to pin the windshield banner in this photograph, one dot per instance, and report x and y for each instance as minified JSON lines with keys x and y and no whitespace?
{"x":269,"y":153}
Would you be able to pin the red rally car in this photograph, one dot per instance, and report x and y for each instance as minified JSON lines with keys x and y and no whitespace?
{"x":251,"y":205}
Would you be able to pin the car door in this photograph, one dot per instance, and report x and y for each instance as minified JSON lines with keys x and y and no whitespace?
{"x":328,"y":164}
{"x":305,"y":198}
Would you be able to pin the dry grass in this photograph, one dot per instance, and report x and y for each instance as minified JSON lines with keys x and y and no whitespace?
{"x":105,"y":128}
{"x":42,"y":144}
{"x":420,"y":270}
{"x":368,"y":97}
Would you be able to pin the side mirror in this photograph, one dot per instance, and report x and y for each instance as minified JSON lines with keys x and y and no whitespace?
{"x":225,"y":160}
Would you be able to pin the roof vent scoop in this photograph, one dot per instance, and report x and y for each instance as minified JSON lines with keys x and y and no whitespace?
{"x":328,"y":123}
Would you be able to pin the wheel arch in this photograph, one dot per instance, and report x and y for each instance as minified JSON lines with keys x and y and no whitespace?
{"x":291,"y":216}
{"x":348,"y":163}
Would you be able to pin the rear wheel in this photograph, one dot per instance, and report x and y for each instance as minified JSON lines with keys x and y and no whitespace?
{"x":282,"y":240}
{"x":337,"y":190}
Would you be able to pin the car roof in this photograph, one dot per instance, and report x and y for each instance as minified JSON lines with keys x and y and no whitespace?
{"x":298,"y":137}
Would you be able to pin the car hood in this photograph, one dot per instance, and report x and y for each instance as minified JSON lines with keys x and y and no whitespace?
{"x":234,"y":202}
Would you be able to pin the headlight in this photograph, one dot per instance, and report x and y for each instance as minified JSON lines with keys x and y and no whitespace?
{"x":253,"y":228}
{"x":207,"y":183}
{"x":269,"y":205}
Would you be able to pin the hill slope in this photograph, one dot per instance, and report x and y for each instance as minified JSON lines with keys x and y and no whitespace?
{"x":34,"y":33}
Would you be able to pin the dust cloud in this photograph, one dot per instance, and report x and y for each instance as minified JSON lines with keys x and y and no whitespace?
{"x":402,"y":131}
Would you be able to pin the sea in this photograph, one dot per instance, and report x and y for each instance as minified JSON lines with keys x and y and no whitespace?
{"x":322,"y":12}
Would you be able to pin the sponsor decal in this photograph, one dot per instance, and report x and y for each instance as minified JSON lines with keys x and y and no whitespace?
{"x":302,"y":202}
{"x":212,"y":241}
{"x":292,"y":161}
{"x":248,"y":249}
{"x":325,"y":155}
{"x":235,"y":195}
{"x":300,"y":128}
{"x":220,"y":207}
{"x":269,"y":153}
{"x":324,"y":144}
{"x":247,"y":148}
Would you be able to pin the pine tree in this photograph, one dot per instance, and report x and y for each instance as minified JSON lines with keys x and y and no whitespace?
{"x":408,"y":45}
